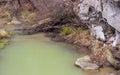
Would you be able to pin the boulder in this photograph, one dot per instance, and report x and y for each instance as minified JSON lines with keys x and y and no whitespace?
{"x":86,"y":63}
{"x":3,"y":33}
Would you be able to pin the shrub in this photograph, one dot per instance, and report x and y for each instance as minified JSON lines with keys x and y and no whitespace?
{"x":72,"y":30}
{"x":3,"y":42}
{"x":66,"y":30}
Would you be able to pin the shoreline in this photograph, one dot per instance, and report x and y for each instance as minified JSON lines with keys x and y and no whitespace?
{"x":58,"y":38}
{"x":103,"y":70}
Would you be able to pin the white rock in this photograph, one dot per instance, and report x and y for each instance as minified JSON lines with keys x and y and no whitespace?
{"x":98,"y":32}
{"x":3,"y":33}
{"x":112,"y":15}
{"x":85,"y":63}
{"x":83,"y":11}
{"x":109,"y":11}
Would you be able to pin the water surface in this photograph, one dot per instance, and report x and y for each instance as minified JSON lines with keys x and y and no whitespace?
{"x":38,"y":55}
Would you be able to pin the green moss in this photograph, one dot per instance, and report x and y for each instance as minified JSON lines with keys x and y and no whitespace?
{"x":69,"y":30}
{"x":3,"y":42}
{"x":66,"y":30}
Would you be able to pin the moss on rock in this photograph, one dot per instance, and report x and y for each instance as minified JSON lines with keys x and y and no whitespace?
{"x":3,"y":42}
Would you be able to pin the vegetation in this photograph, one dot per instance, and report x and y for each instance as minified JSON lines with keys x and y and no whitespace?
{"x":3,"y":42}
{"x":27,"y":16}
{"x":66,"y":30}
{"x":54,"y":16}
{"x":4,"y":35}
{"x":77,"y":35}
{"x":71,"y":30}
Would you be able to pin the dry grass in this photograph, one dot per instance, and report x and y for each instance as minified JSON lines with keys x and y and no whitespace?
{"x":26,"y":16}
{"x":83,"y":38}
{"x":44,"y":21}
{"x":5,"y":16}
{"x":80,"y":37}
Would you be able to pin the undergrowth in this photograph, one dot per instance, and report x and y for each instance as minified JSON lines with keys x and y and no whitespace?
{"x":71,"y":30}
{"x":3,"y":42}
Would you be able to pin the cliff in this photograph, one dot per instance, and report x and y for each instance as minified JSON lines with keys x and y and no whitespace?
{"x":101,"y":13}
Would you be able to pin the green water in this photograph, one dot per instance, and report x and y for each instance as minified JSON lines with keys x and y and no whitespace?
{"x":37,"y":55}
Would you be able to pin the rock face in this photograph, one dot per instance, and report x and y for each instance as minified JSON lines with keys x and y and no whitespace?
{"x":86,"y":63}
{"x":99,"y":14}
{"x":15,"y":21}
{"x":112,"y":14}
{"x":109,"y":9}
{"x":96,"y":12}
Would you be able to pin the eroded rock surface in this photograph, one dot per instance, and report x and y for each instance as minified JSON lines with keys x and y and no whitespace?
{"x":86,"y":63}
{"x":99,"y":15}
{"x":99,"y":11}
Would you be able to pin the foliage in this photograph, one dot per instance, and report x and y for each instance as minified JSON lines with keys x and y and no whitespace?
{"x":3,"y":42}
{"x":78,"y":36}
{"x":66,"y":30}
{"x":71,"y":30}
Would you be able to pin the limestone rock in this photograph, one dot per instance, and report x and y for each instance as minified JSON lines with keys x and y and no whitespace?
{"x":112,"y":15}
{"x":3,"y":33}
{"x":85,"y":63}
{"x":98,"y":32}
{"x":110,"y":10}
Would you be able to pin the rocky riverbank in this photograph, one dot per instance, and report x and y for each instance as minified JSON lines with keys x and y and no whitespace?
{"x":4,"y":38}
{"x":84,"y":23}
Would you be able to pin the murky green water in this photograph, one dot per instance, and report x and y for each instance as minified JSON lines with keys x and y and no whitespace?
{"x":37,"y":55}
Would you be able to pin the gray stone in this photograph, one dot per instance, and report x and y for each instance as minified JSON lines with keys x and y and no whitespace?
{"x":112,"y":15}
{"x":117,"y":39}
{"x":85,"y":63}
{"x":110,"y":11}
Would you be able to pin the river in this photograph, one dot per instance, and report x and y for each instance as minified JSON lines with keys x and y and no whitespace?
{"x":38,"y":55}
